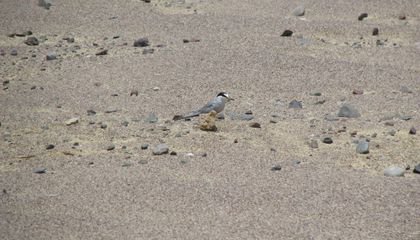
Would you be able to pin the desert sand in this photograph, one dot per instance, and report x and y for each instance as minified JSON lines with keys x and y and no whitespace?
{"x":78,"y":130}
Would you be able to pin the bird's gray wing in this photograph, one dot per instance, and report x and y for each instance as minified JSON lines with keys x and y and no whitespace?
{"x":206,"y":109}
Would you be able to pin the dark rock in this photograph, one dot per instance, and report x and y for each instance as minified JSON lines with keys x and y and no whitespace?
{"x":190,"y":40}
{"x":276,"y":167}
{"x":327,"y":140}
{"x":50,"y":146}
{"x":91,"y":112}
{"x":39,"y":170}
{"x":2,"y":52}
{"x":125,"y":123}
{"x":299,"y":11}
{"x":348,"y":111}
{"x":152,"y":118}
{"x":362,"y":16}
{"x":160,"y":149}
{"x":104,"y":126}
{"x":295,"y":104}
{"x":402,"y":16}
{"x":417,"y":169}
{"x":357,"y":92}
{"x":51,"y":56}
{"x":375,"y":31}
{"x":362,"y":147}
{"x":141,"y":42}
{"x":412,"y":131}
{"x":45,"y":4}
{"x":134,"y":93}
{"x":173,"y":153}
{"x":249,"y":112}
{"x":13,"y":52}
{"x":31,"y":41}
{"x":287,"y":33}
{"x":144,"y":146}
{"x":126,"y":165}
{"x":112,"y":110}
{"x":255,"y":125}
{"x":146,"y":1}
{"x":69,"y":39}
{"x":110,"y":147}
{"x":315,"y":94}
{"x":101,"y":53}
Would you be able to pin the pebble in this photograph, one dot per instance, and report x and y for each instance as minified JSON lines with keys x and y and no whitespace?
{"x":416,"y":168}
{"x":110,"y":147}
{"x":134,"y":93}
{"x":394,"y":171}
{"x":362,"y":16}
{"x":246,"y":117}
{"x":160,"y":149}
{"x":144,"y":146}
{"x":348,"y":111}
{"x":148,"y":51}
{"x":13,"y":52}
{"x":392,"y":132}
{"x":45,"y":4}
{"x":362,"y":147}
{"x":31,"y":41}
{"x":315,"y":94}
{"x":50,"y":146}
{"x":276,"y":167}
{"x":152,"y":118}
{"x":313,"y":143}
{"x":72,"y":121}
{"x":125,"y":123}
{"x":51,"y":56}
{"x":405,"y":89}
{"x":358,"y":92}
{"x":103,"y":125}
{"x":295,"y":104}
{"x":375,"y":31}
{"x":412,"y":131}
{"x":327,"y":140}
{"x":91,"y":112}
{"x":39,"y":170}
{"x":156,"y":89}
{"x":208,"y":122}
{"x":173,"y":153}
{"x":402,"y":16}
{"x":101,"y":53}
{"x":141,"y":42}
{"x":287,"y":33}
{"x":255,"y":125}
{"x":299,"y":11}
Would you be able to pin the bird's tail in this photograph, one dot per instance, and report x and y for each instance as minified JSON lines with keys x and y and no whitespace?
{"x":189,"y":115}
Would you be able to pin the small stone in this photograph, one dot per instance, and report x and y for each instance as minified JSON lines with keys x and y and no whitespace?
{"x":299,"y":11}
{"x":91,"y":112}
{"x":375,"y":31}
{"x":362,"y":147}
{"x":348,"y":111}
{"x":151,"y":118}
{"x":13,"y":52}
{"x":249,"y":112}
{"x":362,"y":16}
{"x":2,"y":52}
{"x":392,"y":132}
{"x":125,"y":123}
{"x":287,"y":33}
{"x":389,"y":124}
{"x":160,"y":149}
{"x":31,"y":41}
{"x":235,"y":141}
{"x":50,"y":146}
{"x":126,"y":165}
{"x":357,"y":92}
{"x":39,"y":170}
{"x":255,"y":125}
{"x":103,"y":125}
{"x":148,"y":51}
{"x":327,"y":140}
{"x":394,"y":171}
{"x":417,"y":169}
{"x":405,"y":89}
{"x":246,"y":117}
{"x":134,"y":93}
{"x":144,"y":146}
{"x":51,"y":56}
{"x":402,"y":16}
{"x":141,"y":42}
{"x":173,"y":153}
{"x":313,"y":143}
{"x":315,"y":94}
{"x":208,"y":122}
{"x":156,"y":89}
{"x":412,"y":131}
{"x":45,"y":4}
{"x":72,"y":121}
{"x":110,"y":147}
{"x":276,"y":167}
{"x":101,"y":53}
{"x":295,"y":104}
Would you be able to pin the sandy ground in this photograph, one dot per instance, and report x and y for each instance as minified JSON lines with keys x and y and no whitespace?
{"x":219,"y":185}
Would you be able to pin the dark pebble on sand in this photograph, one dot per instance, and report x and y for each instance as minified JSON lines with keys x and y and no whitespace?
{"x":39,"y":170}
{"x":50,"y":146}
{"x":31,"y":41}
{"x":287,"y":33}
{"x":412,"y":131}
{"x":375,"y":32}
{"x":141,"y":42}
{"x":101,"y":53}
{"x":362,"y":16}
{"x":327,"y":140}
{"x":276,"y":167}
{"x":255,"y":125}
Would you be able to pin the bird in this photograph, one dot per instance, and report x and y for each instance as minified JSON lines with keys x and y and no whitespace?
{"x":217,"y":104}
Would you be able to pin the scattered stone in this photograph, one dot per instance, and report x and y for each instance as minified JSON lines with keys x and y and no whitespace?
{"x":13,"y":52}
{"x":295,"y":104}
{"x":134,"y":93}
{"x":208,"y":122}
{"x":394,"y":171}
{"x":190,"y":40}
{"x":31,"y":41}
{"x":50,"y":146}
{"x":276,"y":167}
{"x":39,"y":170}
{"x":389,"y":123}
{"x":417,"y":169}
{"x":101,"y":53}
{"x":357,"y":92}
{"x":362,"y":16}
{"x":287,"y":33}
{"x":362,"y":147}
{"x":161,"y":149}
{"x":327,"y":140}
{"x":406,"y":117}
{"x":273,"y":121}
{"x":144,"y":146}
{"x":235,"y":141}
{"x":2,"y":52}
{"x":412,"y":131}
{"x":246,"y":117}
{"x":148,"y":51}
{"x":173,"y":153}
{"x":141,"y":42}
{"x":375,"y":31}
{"x":45,"y":4}
{"x":112,"y":110}
{"x":315,"y":94}
{"x":405,"y":89}
{"x":156,"y":89}
{"x":152,"y":118}
{"x":126,"y":165}
{"x":402,"y":16}
{"x":255,"y":125}
{"x":125,"y":123}
{"x":72,"y":121}
{"x":69,"y":39}
{"x":91,"y":112}
{"x":103,"y":125}
{"x":348,"y":111}
{"x":51,"y":56}
{"x":299,"y":11}
{"x":313,"y":143}
{"x":110,"y":147}
{"x":392,"y":132}
{"x":220,"y":116}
